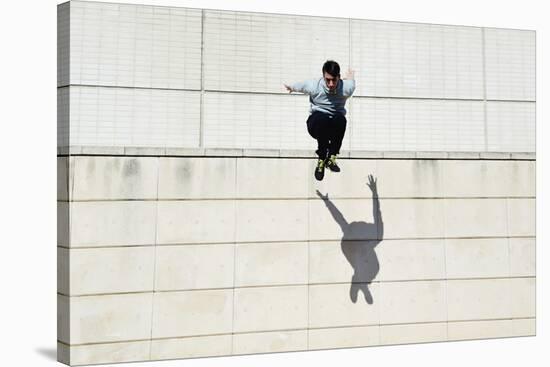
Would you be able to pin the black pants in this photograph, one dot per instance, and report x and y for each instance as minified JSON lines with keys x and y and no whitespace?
{"x":328,"y":130}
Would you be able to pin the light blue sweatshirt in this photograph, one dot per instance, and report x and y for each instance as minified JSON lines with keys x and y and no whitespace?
{"x":324,"y":100}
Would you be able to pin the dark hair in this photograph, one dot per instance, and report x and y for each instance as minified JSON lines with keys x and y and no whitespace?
{"x":331,"y":67}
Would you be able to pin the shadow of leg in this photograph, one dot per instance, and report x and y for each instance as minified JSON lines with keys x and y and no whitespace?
{"x":353,"y":289}
{"x":367,"y":294}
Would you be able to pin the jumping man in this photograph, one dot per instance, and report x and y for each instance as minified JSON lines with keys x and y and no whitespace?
{"x":327,"y":121}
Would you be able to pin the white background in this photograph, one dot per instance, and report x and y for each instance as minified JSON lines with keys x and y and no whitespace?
{"x":28,"y":182}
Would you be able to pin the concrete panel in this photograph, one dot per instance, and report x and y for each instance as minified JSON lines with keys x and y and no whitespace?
{"x":194,"y":267}
{"x":475,"y":218}
{"x":511,"y":126}
{"x":256,"y":121}
{"x":259,"y":153}
{"x":272,"y":342}
{"x":464,"y":155}
{"x":351,"y":182}
{"x":417,"y":60}
{"x":139,"y":117}
{"x":63,"y":43}
{"x":487,"y":178}
{"x":468,"y":330}
{"x":63,"y":271}
{"x":270,"y":308}
{"x":510,"y":63}
{"x":112,"y":223}
{"x":63,"y":353}
{"x":477,"y":258}
{"x":201,"y":221}
{"x":390,"y":154}
{"x":63,"y":224}
{"x":410,"y":218}
{"x":524,"y":156}
{"x":275,"y":48}
{"x":332,"y":305}
{"x":522,"y":294}
{"x":365,"y":154}
{"x":425,"y":301}
{"x":192,"y":313}
{"x":411,"y":260}
{"x":73,"y":149}
{"x":103,"y":149}
{"x":479,"y":299}
{"x":522,"y":257}
{"x":62,"y":178}
{"x":332,"y":262}
{"x":522,"y":217}
{"x":271,"y":220}
{"x":432,"y":155}
{"x":63,"y":120}
{"x":135,"y":45}
{"x":299,"y":153}
{"x":145,"y":151}
{"x":112,"y":270}
{"x":193,"y":347}
{"x":272,"y":178}
{"x":361,"y":336}
{"x":495,"y":155}
{"x":412,"y":125}
{"x":109,"y":318}
{"x":196,"y":178}
{"x":223,"y":152}
{"x":342,"y":219}
{"x":64,"y":319}
{"x":409,"y":178}
{"x":413,"y":333}
{"x":185,"y":152}
{"x":271,"y":264}
{"x":100,"y":178}
{"x":524,"y":182}
{"x":109,"y":353}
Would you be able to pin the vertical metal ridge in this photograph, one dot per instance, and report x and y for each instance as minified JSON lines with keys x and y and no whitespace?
{"x":350,"y":61}
{"x":484,"y":71}
{"x":201,"y":108}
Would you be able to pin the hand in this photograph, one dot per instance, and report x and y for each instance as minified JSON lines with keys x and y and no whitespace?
{"x":288,"y":88}
{"x":350,"y":74}
{"x":372,"y":184}
{"x":324,"y":197}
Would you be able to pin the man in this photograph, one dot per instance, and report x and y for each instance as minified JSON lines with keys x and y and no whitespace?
{"x":327,"y":121}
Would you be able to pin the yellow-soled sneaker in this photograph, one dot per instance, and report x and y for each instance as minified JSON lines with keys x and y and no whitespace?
{"x":331,"y":164}
{"x":320,"y":170}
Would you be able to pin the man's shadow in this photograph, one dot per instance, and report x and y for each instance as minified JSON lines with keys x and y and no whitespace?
{"x":358,"y":242}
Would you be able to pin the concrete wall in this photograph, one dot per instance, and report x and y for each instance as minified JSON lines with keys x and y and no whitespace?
{"x":174,"y":256}
{"x":151,"y":76}
{"x":189,"y":222}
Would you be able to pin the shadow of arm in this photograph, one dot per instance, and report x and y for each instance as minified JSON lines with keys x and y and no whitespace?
{"x":336,"y":214}
{"x":376,"y":213}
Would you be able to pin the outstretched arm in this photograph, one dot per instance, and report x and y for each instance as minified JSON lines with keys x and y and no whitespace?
{"x":336,"y":214}
{"x":350,"y":75}
{"x":376,"y":207}
{"x":349,"y":83}
{"x":307,"y":87}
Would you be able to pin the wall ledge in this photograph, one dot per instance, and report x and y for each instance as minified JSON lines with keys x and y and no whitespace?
{"x":285,"y":153}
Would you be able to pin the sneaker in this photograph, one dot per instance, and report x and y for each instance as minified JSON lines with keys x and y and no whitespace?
{"x":331,"y":164}
{"x":320,"y":170}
